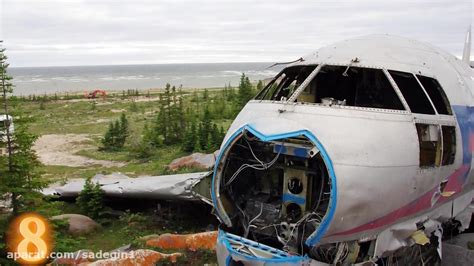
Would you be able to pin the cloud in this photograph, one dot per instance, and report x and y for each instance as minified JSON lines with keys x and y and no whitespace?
{"x":135,"y":32}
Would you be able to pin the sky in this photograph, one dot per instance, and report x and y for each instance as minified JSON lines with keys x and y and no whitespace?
{"x":106,"y":32}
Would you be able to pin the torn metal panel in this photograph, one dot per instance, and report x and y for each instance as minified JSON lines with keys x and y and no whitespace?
{"x":404,"y":234}
{"x":394,"y":238}
{"x":169,"y":187}
{"x":231,"y":248}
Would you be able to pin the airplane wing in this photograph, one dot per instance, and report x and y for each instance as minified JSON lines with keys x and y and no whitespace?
{"x":191,"y":186}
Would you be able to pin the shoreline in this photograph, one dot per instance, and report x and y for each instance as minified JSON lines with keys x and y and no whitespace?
{"x":115,"y":92}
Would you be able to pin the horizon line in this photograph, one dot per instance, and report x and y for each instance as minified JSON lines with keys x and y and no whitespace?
{"x":141,"y":64}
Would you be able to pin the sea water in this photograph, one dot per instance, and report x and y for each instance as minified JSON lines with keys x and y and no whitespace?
{"x":48,"y":80}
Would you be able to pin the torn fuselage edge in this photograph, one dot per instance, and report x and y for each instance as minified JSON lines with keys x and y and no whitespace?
{"x":229,"y":253}
{"x":316,"y":236}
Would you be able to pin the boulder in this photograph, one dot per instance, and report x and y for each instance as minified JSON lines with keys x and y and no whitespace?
{"x":137,"y":257}
{"x":148,"y":237}
{"x":195,"y":160}
{"x":122,"y":249}
{"x":193,"y":242}
{"x":78,"y":224}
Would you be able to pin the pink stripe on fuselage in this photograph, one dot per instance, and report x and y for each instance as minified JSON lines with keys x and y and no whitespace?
{"x":422,"y":203}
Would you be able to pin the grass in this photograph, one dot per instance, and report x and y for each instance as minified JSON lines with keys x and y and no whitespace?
{"x":92,"y":117}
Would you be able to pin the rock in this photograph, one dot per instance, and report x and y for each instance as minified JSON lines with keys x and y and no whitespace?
{"x":193,"y":242}
{"x":122,"y":249}
{"x":78,"y":257}
{"x":78,"y":224}
{"x":195,"y":160}
{"x":137,"y":257}
{"x":148,"y":237}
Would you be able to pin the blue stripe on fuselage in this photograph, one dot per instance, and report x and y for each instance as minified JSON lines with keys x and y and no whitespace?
{"x":465,"y":118}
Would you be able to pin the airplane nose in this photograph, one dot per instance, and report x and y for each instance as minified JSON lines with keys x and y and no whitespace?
{"x":274,"y":175}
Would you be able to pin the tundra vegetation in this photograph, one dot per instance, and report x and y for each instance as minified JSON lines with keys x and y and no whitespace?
{"x":142,"y":130}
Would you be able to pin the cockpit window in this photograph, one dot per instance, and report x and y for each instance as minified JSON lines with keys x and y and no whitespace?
{"x":335,"y":85}
{"x":436,"y":93}
{"x":351,"y":86}
{"x":283,"y":86}
{"x":412,"y":92}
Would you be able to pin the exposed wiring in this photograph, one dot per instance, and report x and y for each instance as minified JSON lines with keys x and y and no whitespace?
{"x":253,"y":154}
{"x":302,"y":237}
{"x":320,"y":195}
{"x":247,"y":229}
{"x":259,"y":167}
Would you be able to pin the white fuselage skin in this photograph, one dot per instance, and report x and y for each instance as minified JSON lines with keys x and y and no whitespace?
{"x":375,"y":152}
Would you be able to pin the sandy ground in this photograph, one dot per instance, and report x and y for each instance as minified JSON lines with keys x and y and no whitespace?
{"x":58,"y":149}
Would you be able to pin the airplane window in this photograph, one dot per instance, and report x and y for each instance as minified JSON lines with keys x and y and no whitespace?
{"x":413,"y":92}
{"x":270,"y":89}
{"x":281,"y":88}
{"x":354,"y":86}
{"x":430,"y":145}
{"x":437,"y":95}
{"x":449,"y":144}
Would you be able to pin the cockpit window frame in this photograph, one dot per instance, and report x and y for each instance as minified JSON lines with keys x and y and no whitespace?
{"x":441,"y":95}
{"x":297,"y":91}
{"x":268,"y":86}
{"x":263,"y":93}
{"x":310,"y":77}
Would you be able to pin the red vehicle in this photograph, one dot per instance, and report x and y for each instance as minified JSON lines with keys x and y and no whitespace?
{"x":94,"y":94}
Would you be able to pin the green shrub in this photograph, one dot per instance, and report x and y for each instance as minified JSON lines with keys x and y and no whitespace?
{"x":91,"y":199}
{"x":115,"y":137}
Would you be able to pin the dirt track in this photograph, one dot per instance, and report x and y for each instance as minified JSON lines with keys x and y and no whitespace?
{"x":55,"y":149}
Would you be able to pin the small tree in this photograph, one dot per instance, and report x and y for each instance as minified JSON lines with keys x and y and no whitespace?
{"x":215,"y":138}
{"x":245,"y":92}
{"x":201,"y":142}
{"x":116,"y":135}
{"x":19,"y":170}
{"x":123,"y":131}
{"x":85,"y":195}
{"x":142,"y":146}
{"x":190,"y":138}
{"x":107,"y":140}
{"x":91,"y":199}
{"x":204,"y":130}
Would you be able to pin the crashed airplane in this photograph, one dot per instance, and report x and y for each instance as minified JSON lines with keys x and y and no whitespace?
{"x":352,"y":152}
{"x":349,"y":154}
